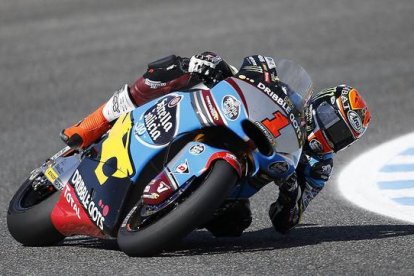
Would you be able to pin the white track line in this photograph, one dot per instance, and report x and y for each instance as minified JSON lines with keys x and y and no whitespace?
{"x":358,"y":181}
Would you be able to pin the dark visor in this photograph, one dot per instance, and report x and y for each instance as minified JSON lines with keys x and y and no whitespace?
{"x":335,"y":129}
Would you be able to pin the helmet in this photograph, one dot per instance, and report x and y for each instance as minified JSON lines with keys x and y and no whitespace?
{"x":336,"y":117}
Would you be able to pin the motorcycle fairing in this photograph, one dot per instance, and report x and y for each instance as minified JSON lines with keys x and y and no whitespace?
{"x":195,"y":158}
{"x":192,"y":161}
{"x":269,"y":113}
{"x":137,"y":137}
{"x":157,"y":123}
{"x":58,"y":168}
{"x":115,"y":158}
{"x":133,"y":141}
{"x":69,"y":218}
{"x":88,"y":207}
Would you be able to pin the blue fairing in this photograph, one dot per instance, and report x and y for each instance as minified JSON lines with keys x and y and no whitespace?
{"x":159,"y":122}
{"x":153,"y":126}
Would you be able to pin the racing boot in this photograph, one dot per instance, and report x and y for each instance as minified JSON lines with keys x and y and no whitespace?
{"x":293,"y":200}
{"x":286,"y":211}
{"x":91,"y":128}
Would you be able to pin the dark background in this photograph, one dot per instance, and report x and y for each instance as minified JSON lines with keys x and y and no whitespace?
{"x":61,"y":59}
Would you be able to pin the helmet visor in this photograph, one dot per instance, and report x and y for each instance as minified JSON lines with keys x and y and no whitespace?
{"x":334,"y":127}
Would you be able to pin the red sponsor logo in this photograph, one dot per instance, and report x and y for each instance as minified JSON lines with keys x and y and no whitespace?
{"x":158,"y":190}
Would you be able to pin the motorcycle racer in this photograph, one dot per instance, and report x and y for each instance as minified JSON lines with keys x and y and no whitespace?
{"x":335,"y":118}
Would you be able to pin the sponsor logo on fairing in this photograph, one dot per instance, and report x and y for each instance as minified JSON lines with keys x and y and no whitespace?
{"x":174,"y":101}
{"x":271,"y":94}
{"x":231,"y":107}
{"x":51,"y":175}
{"x":150,"y":195}
{"x":267,"y":133}
{"x":86,"y":200}
{"x":160,"y":121}
{"x":182,"y":168}
{"x":162,"y":187}
{"x":197,"y":149}
{"x":157,"y":190}
{"x":71,"y":201}
{"x":231,"y":156}
{"x":284,"y":104}
{"x":212,"y":110}
{"x":140,"y":129}
{"x":104,"y":207}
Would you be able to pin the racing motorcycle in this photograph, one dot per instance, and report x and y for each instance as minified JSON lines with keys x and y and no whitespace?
{"x":164,"y":168}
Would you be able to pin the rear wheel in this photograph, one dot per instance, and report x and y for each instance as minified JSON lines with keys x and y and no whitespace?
{"x":138,"y":237}
{"x":28,"y":217}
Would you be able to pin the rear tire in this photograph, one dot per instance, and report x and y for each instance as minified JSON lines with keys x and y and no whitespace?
{"x":183,"y":219}
{"x":32,"y":225}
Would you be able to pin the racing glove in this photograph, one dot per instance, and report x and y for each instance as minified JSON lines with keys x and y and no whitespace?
{"x":316,"y":169}
{"x":210,"y":67}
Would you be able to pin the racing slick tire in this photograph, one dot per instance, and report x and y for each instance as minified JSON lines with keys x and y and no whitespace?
{"x":184,"y":218}
{"x":29,"y":221}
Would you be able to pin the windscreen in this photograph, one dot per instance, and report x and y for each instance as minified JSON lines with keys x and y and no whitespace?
{"x":295,"y":76}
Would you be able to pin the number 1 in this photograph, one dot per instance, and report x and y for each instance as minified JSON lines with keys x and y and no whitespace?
{"x":276,"y":124}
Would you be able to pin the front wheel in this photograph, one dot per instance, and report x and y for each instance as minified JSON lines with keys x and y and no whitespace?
{"x":28,"y":217}
{"x":149,"y":239}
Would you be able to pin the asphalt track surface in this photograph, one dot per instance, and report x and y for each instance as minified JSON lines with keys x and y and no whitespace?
{"x":61,"y":59}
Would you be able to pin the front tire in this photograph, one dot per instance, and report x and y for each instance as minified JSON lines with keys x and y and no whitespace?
{"x":28,"y":219}
{"x":180,"y":221}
